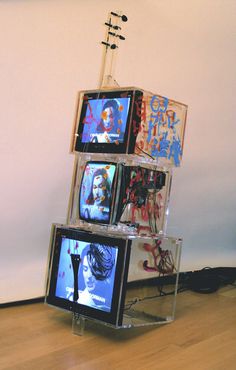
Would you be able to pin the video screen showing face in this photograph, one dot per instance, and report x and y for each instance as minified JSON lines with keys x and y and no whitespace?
{"x":105,"y":120}
{"x":86,"y":273}
{"x":96,"y":192}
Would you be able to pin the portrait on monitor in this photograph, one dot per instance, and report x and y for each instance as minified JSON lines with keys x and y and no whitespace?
{"x":97,"y":192}
{"x":105,"y":121}
{"x":86,"y":274}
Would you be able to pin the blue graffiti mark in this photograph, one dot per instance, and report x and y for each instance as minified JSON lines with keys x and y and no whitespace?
{"x":161,"y":105}
{"x":173,"y":122}
{"x":150,"y":127}
{"x":159,"y":120}
{"x":162,"y":131}
{"x":175,"y":151}
{"x":164,"y":146}
{"x":167,"y":149}
{"x":160,"y":150}
{"x":154,"y":149}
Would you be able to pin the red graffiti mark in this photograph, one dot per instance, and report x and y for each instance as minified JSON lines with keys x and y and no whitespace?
{"x":162,"y":259}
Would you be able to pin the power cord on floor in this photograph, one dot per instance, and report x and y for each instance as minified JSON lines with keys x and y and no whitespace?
{"x":208,"y":280}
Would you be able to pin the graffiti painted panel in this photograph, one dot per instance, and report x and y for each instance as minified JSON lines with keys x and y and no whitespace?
{"x":144,"y":201}
{"x":154,"y":258}
{"x":161,"y":133}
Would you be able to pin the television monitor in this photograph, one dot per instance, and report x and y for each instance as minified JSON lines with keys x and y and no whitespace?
{"x":97,"y":192}
{"x":88,"y":274}
{"x":108,"y":121}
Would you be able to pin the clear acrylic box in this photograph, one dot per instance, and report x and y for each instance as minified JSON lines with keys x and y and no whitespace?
{"x":129,"y":281}
{"x":152,"y":281}
{"x":136,"y":197}
{"x":126,"y":142}
{"x":144,"y":124}
{"x":150,"y":296}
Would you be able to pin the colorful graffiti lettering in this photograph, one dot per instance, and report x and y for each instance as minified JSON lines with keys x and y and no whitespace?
{"x":158,"y":104}
{"x":142,"y":194}
{"x":147,"y":211}
{"x":159,"y":130}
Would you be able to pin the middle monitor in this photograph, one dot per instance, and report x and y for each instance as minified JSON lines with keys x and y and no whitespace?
{"x":113,"y":193}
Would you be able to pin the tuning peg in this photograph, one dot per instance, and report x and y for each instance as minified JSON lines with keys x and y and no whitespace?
{"x":111,"y":25}
{"x":123,"y":17}
{"x":112,"y":46}
{"x":120,"y":36}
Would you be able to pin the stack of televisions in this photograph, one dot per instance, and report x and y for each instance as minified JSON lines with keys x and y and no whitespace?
{"x":112,"y":262}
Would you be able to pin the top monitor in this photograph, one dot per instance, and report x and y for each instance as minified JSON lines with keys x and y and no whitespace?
{"x":130,"y":121}
{"x":104,"y":121}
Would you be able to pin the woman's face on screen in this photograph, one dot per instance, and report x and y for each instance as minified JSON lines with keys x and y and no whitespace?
{"x":99,"y":188}
{"x":108,"y":117}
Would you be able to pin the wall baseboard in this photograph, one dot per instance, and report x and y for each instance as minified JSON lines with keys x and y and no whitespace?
{"x":23,"y":302}
{"x":206,"y":280}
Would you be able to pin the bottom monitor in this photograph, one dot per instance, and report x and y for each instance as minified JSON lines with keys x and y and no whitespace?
{"x":88,"y":273}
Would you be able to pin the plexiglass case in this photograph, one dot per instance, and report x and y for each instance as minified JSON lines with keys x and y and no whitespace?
{"x":124,"y":197}
{"x":87,"y":273}
{"x":126,"y":141}
{"x":152,"y":285}
{"x":136,"y":286}
{"x":152,"y":281}
{"x":130,"y":121}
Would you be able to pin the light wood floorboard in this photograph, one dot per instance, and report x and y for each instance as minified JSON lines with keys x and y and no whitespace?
{"x":202,"y":337}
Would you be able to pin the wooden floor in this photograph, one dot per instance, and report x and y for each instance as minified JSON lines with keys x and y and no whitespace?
{"x":203,"y":336}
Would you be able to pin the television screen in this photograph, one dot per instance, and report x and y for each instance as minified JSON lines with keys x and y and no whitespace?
{"x":86,"y":274}
{"x":104,"y":122}
{"x":96,"y":192}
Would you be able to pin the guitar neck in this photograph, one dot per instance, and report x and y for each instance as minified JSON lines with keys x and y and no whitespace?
{"x":111,"y":44}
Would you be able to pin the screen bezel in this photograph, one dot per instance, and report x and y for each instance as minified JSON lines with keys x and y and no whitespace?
{"x":128,"y":144}
{"x":115,"y":315}
{"x":113,"y":192}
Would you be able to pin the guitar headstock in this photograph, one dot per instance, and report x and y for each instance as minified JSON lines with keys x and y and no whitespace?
{"x":111,"y":42}
{"x":113,"y":30}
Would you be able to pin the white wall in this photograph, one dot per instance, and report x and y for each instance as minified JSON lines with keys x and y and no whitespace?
{"x":182,"y":49}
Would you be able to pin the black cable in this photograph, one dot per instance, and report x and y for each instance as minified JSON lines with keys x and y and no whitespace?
{"x":149,"y":155}
{"x":226,"y":276}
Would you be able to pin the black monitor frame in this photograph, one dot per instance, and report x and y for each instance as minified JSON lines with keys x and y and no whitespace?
{"x":132,"y":123}
{"x":115,"y":316}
